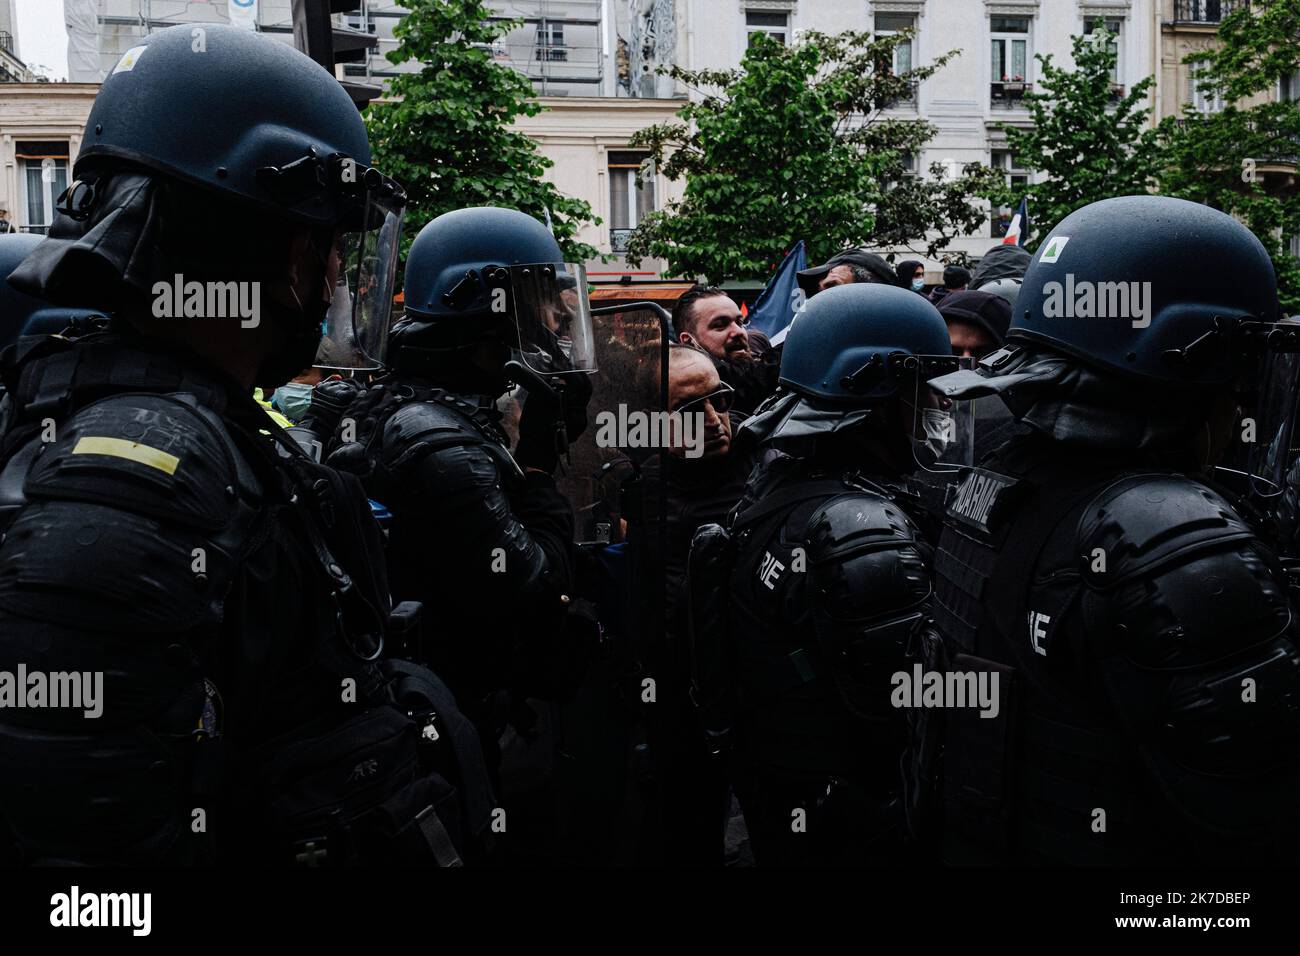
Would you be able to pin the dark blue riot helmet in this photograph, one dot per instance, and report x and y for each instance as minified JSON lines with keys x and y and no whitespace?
{"x":849,"y":352}
{"x":1148,"y":289}
{"x":23,"y":314}
{"x":1189,"y":274}
{"x":491,"y":278}
{"x":1140,"y":319}
{"x":207,"y":127}
{"x":849,"y":343}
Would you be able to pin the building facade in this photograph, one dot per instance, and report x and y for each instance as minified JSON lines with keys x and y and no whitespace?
{"x":968,"y":101}
{"x":593,"y":65}
{"x":41,"y":126}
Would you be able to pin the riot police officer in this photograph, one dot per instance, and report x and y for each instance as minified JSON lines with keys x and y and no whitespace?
{"x":218,"y":599}
{"x":824,"y":573}
{"x":1150,"y":683}
{"x":480,"y":535}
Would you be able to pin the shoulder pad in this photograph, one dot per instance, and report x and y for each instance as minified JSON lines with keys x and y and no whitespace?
{"x":858,"y":521}
{"x":420,"y":428}
{"x":1145,"y":522}
{"x":163,"y":456}
{"x":863,"y":555}
{"x":118,"y":507}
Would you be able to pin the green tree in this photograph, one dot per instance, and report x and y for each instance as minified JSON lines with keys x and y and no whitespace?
{"x":1242,"y":159}
{"x":796,"y":145}
{"x":1085,"y":141}
{"x":445,"y":134}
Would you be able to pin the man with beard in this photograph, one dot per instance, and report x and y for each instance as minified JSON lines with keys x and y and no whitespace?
{"x":708,"y":319}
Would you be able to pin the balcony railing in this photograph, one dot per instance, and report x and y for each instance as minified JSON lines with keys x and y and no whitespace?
{"x":1204,"y":11}
{"x":1008,"y":95}
{"x":574,"y":63}
{"x":7,"y":42}
{"x":618,"y":239}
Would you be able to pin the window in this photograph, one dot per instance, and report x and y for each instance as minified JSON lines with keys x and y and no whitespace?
{"x":550,"y":41}
{"x":888,"y":24}
{"x":1010,"y":49}
{"x":43,"y":177}
{"x":775,"y":25}
{"x":1289,"y":88}
{"x":1017,"y":179}
{"x":1202,"y":102}
{"x":631,"y":195}
{"x":1113,"y":27}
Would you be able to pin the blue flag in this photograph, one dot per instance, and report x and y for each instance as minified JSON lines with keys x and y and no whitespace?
{"x":781,"y":298}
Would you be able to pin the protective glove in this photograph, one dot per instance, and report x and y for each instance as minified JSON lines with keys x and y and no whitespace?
{"x":329,"y":400}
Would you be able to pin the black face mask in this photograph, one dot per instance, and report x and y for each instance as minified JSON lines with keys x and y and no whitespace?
{"x":306,"y":327}
{"x":299,"y":352}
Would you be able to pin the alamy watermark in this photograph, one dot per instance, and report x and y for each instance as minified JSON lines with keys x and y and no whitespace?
{"x":58,"y":690}
{"x":946,"y":689}
{"x":77,"y":909}
{"x":626,"y":428}
{"x":179,"y":299}
{"x":1098,"y":300}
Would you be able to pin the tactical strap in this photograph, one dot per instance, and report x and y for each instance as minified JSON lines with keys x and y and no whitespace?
{"x":437,"y":838}
{"x":355,"y":612}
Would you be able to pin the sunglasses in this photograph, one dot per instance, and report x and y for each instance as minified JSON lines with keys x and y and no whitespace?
{"x":720,"y":398}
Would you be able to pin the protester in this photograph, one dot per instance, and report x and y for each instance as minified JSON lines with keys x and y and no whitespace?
{"x":845,"y":268}
{"x":911,"y":275}
{"x":955,"y":279}
{"x":708,"y":319}
{"x":700,"y":480}
{"x":977,"y":322}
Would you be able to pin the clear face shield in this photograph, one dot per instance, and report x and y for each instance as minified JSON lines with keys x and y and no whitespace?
{"x":1266,"y":441}
{"x":356,"y":325}
{"x":553,"y":317}
{"x":942,"y":428}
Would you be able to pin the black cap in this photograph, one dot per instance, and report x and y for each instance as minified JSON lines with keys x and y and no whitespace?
{"x":881,"y":271}
{"x":990,"y":312}
{"x":954,"y":277}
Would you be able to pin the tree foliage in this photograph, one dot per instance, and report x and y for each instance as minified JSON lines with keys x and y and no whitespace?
{"x":798,"y":144}
{"x":1242,"y":159}
{"x":1085,"y":141}
{"x":444,"y":132}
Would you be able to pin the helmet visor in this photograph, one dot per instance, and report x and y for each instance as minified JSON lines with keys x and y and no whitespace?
{"x":942,"y":428}
{"x":1270,"y":444}
{"x":356,"y":325}
{"x":553,"y":317}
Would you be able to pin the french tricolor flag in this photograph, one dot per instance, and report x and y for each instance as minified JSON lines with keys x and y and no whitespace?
{"x":1019,"y":226}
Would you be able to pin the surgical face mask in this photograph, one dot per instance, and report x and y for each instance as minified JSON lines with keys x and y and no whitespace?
{"x":939,"y":430}
{"x":918,"y":285}
{"x":292,"y":399}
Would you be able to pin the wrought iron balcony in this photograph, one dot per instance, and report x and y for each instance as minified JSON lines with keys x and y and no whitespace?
{"x":618,"y":239}
{"x":1205,"y":11}
{"x":1008,"y":95}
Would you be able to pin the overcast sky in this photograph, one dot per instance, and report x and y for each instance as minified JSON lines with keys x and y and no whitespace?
{"x":42,"y":38}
